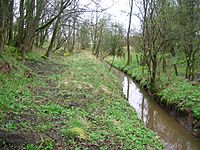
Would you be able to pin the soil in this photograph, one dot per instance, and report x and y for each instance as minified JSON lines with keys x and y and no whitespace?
{"x":19,"y":140}
{"x":10,"y":140}
{"x":44,"y":68}
{"x":5,"y":67}
{"x":184,"y":117}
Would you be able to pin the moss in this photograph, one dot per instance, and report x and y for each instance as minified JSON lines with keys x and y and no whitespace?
{"x":75,"y":132}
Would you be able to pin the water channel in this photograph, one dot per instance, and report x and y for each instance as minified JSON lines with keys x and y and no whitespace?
{"x":173,"y":135}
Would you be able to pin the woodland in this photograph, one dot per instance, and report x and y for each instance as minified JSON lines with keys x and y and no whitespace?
{"x":56,"y":89}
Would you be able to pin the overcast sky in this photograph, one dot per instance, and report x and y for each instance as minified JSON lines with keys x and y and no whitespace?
{"x":120,"y":10}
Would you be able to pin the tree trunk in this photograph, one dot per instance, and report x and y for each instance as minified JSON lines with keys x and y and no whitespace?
{"x":73,"y":35}
{"x":53,"y":37}
{"x":172,"y":51}
{"x":3,"y":22}
{"x":34,"y":10}
{"x":10,"y":32}
{"x":43,"y":37}
{"x":164,"y":64}
{"x":20,"y":43}
{"x":29,"y":30}
{"x":95,"y":31}
{"x":193,"y":67}
{"x":175,"y":69}
{"x":154,"y":71}
{"x":112,"y":62}
{"x":69,"y":36}
{"x":144,"y":34}
{"x":128,"y":34}
{"x":99,"y":43}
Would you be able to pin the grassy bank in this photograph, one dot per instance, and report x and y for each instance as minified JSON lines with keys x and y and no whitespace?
{"x":172,"y":90}
{"x":66,"y":102}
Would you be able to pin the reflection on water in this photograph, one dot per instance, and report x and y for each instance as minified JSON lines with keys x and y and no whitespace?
{"x":174,"y":136}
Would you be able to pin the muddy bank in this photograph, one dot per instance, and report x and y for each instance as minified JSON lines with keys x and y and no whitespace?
{"x":184,"y":117}
{"x":15,"y":140}
{"x":172,"y":133}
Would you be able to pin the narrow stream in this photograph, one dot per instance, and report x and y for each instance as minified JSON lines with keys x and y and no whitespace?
{"x":173,"y":135}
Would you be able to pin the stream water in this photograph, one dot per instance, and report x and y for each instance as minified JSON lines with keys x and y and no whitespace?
{"x":173,"y":135}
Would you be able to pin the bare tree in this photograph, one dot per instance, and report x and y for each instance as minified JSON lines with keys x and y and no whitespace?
{"x":4,"y":4}
{"x":11,"y":17}
{"x":62,"y":7}
{"x":128,"y":32}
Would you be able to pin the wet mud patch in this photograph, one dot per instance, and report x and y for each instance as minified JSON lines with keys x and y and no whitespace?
{"x":5,"y":67}
{"x":16,"y":141}
{"x":45,"y":68}
{"x":184,"y":117}
{"x":19,"y":141}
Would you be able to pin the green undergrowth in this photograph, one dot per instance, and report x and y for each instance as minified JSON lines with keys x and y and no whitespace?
{"x":171,"y":89}
{"x":68,"y":102}
{"x":184,"y":94}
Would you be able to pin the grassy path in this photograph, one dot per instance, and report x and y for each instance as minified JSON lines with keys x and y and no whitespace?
{"x":67,"y":102}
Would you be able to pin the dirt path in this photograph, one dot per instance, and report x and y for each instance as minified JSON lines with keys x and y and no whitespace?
{"x":71,"y":102}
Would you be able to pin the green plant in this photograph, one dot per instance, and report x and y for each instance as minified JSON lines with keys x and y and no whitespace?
{"x":75,"y":132}
{"x":53,"y":109}
{"x":44,"y":127}
{"x":11,"y":126}
{"x":64,"y":96}
{"x":31,"y":147}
